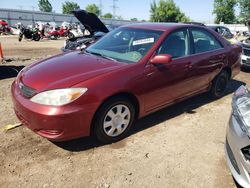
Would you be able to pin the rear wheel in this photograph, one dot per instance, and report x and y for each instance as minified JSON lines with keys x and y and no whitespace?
{"x":219,"y":84}
{"x":113,"y":120}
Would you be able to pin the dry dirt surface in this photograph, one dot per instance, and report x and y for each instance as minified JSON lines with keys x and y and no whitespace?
{"x":180,"y":146}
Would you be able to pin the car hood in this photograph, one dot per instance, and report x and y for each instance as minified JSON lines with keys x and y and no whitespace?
{"x":90,"y":21}
{"x":65,"y":70}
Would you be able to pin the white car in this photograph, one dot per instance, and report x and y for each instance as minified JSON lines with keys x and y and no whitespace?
{"x":237,"y":145}
{"x":245,"y":55}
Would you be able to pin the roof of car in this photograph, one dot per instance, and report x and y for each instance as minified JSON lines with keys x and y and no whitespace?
{"x":158,"y":26}
{"x":215,"y":26}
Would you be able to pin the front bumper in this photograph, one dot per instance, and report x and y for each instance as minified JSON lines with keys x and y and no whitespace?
{"x":236,"y":139}
{"x":54,"y":123}
{"x":245,"y":61}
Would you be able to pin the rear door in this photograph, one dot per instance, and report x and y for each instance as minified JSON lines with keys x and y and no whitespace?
{"x":208,"y":57}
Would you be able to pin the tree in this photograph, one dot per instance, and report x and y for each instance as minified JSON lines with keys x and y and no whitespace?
{"x":224,"y":11}
{"x":244,"y":6}
{"x":44,"y":6}
{"x":108,"y":15}
{"x":69,"y":6}
{"x":134,"y":19}
{"x":93,"y":8}
{"x":166,"y":11}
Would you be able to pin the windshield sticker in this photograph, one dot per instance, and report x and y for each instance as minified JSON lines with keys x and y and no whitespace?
{"x":143,"y":41}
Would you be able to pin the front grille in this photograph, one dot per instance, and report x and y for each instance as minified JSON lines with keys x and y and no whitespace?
{"x":26,"y":91}
{"x":231,"y":157}
{"x":246,"y":51}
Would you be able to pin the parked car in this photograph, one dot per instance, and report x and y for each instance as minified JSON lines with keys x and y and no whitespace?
{"x":130,"y":72}
{"x":237,"y":146}
{"x":222,"y":30}
{"x":93,"y":24}
{"x":245,"y":53}
{"x":245,"y":44}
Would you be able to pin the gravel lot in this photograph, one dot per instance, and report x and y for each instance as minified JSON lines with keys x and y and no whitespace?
{"x":180,"y":146}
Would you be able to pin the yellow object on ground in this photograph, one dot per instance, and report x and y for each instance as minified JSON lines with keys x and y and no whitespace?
{"x":11,"y":126}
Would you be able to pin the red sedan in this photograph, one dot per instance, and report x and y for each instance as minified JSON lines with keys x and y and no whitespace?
{"x":131,"y":72}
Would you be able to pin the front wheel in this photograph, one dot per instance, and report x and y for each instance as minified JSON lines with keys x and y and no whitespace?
{"x":36,"y":37}
{"x":113,"y":120}
{"x":71,"y":35}
{"x":219,"y":84}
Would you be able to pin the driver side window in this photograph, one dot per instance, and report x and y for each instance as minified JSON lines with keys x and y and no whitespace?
{"x":176,"y":44}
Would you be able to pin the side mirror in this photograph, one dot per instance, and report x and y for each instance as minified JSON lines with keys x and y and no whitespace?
{"x":161,"y":59}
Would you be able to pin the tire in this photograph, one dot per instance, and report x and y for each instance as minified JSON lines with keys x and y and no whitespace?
{"x":20,"y":37}
{"x":111,"y":127}
{"x":56,"y":37}
{"x":219,"y":84}
{"x":71,"y":35}
{"x":36,"y":37}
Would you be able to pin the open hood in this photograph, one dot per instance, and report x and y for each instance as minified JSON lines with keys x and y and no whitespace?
{"x":90,"y":21}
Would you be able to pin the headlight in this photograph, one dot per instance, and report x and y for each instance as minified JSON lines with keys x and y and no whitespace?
{"x":241,"y":108}
{"x":58,"y":97}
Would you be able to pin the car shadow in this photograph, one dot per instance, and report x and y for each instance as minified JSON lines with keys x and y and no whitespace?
{"x":187,"y":106}
{"x":9,"y":71}
{"x":246,"y":70}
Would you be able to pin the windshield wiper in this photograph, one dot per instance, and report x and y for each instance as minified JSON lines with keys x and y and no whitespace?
{"x":101,"y":55}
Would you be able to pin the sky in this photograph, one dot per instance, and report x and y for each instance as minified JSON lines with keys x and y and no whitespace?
{"x":197,"y":10}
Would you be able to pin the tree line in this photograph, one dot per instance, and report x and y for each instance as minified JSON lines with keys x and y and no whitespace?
{"x":69,"y":6}
{"x":168,"y":11}
{"x":224,"y":11}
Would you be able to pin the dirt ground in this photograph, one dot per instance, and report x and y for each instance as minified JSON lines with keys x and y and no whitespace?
{"x":180,"y":146}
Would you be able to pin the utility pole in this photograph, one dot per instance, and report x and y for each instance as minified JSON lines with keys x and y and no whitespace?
{"x":33,"y":8}
{"x":100,"y":7}
{"x":33,"y":20}
{"x":20,"y":7}
{"x":114,"y":7}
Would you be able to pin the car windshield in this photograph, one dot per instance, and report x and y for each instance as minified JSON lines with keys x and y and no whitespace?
{"x":127,"y":45}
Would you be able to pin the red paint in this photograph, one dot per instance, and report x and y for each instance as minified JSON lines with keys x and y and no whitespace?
{"x":154,"y":86}
{"x":1,"y":51}
{"x":161,"y":59}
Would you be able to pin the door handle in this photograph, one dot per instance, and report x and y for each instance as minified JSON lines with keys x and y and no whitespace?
{"x":189,"y":65}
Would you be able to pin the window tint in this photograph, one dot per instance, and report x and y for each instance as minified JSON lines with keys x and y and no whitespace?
{"x":204,"y":41}
{"x":176,"y":44}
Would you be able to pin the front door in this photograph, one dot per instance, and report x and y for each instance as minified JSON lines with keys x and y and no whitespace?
{"x":167,"y":82}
